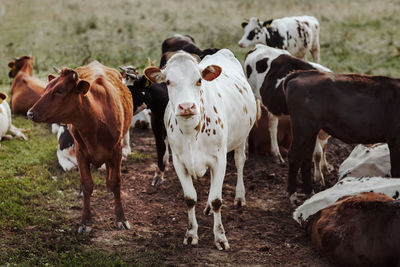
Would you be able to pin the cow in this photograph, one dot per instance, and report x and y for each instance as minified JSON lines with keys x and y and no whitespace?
{"x":182,"y":42}
{"x":297,"y":35}
{"x":98,"y":108}
{"x":66,"y":149}
{"x":259,"y":139}
{"x":211,"y":111}
{"x":153,"y":97}
{"x":355,"y":108}
{"x":25,"y":89}
{"x":5,"y":121}
{"x":359,"y":230}
{"x":266,"y":68}
{"x":366,"y":161}
{"x":141,"y":114}
{"x":345,"y":187}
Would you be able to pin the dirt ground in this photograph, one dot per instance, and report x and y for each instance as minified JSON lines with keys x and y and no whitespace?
{"x":261,"y":233}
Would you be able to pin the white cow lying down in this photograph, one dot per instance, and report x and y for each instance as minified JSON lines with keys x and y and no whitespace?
{"x":5,"y":121}
{"x":345,"y":187}
{"x":367,"y":161}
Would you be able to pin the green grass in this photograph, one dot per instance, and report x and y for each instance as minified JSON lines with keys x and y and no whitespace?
{"x":361,"y":36}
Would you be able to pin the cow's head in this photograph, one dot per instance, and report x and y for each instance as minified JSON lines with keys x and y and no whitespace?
{"x":253,"y":32}
{"x":184,"y":79}
{"x":140,"y":93}
{"x":129,"y":74}
{"x":62,"y":98}
{"x":16,"y":64}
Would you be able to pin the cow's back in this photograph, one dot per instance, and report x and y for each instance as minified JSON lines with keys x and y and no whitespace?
{"x":112,"y":95}
{"x":231,"y":95}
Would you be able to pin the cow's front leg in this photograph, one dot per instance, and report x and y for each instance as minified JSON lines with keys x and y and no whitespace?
{"x":190,"y":196}
{"x":87,"y":189}
{"x":214,"y":202}
{"x":114,"y":185}
{"x":273,"y":133}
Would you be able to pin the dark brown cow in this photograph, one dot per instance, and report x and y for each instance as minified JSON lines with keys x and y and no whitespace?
{"x":259,"y":139}
{"x":359,"y":230}
{"x":98,"y":107}
{"x":352,"y":107}
{"x":185,"y":43}
{"x":25,"y":89}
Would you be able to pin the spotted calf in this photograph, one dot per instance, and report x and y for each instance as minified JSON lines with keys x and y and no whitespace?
{"x":297,"y":35}
{"x":210,"y":112}
{"x":266,"y":69}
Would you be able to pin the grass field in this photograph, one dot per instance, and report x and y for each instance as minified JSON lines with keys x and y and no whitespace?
{"x":356,"y":36}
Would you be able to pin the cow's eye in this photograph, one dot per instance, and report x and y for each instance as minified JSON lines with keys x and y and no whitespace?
{"x":198,"y":83}
{"x":168,"y":82}
{"x":59,"y":91}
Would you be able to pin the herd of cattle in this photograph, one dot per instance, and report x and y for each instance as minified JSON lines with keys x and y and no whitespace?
{"x":203,"y":105}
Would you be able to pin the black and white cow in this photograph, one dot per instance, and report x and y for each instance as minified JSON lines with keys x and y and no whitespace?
{"x":155,"y":97}
{"x":298,"y":35}
{"x":266,"y":68}
{"x":211,"y":112}
{"x":66,"y":149}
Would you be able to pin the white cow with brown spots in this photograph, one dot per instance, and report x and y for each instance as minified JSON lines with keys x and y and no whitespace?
{"x":210,"y":112}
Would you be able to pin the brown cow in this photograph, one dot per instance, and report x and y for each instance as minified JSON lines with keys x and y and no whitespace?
{"x":259,"y":139}
{"x":99,"y":108}
{"x":25,"y":89}
{"x":358,"y":230}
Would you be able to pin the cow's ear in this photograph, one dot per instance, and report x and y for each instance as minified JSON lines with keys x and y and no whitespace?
{"x":244,"y":24}
{"x":154,"y":74}
{"x":3,"y":96}
{"x":267,"y":23}
{"x":211,"y":72}
{"x":82,"y":87}
{"x":11,"y":64}
{"x":51,"y":77}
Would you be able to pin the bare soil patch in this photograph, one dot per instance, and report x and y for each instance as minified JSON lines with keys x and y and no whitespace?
{"x":262,"y":233}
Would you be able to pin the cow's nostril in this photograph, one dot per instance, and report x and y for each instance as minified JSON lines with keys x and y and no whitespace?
{"x":29,"y":114}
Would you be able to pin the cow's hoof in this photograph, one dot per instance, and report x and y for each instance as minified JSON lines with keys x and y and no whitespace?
{"x":239,"y":202}
{"x":191,"y":239}
{"x":222,"y":243}
{"x":207,"y":210}
{"x":278,"y":159}
{"x":157,"y":181}
{"x":294,"y":199}
{"x":123,"y":225}
{"x":84,"y":229}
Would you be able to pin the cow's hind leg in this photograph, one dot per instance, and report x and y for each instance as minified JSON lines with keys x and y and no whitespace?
{"x":317,"y":157}
{"x":87,"y":189}
{"x":126,"y":146}
{"x":214,"y":202}
{"x":300,"y":155}
{"x":114,"y":185}
{"x":190,"y":195}
{"x":273,"y":133}
{"x":240,"y":158}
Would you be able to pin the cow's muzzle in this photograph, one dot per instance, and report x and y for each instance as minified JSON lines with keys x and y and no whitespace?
{"x":187,"y":109}
{"x":30,"y":114}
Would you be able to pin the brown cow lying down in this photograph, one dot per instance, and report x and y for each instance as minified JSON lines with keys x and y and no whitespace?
{"x":25,"y":89}
{"x":99,"y":108}
{"x":358,"y":230}
{"x":260,"y":141}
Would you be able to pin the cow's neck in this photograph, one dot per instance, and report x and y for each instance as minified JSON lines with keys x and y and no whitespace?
{"x":27,"y":68}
